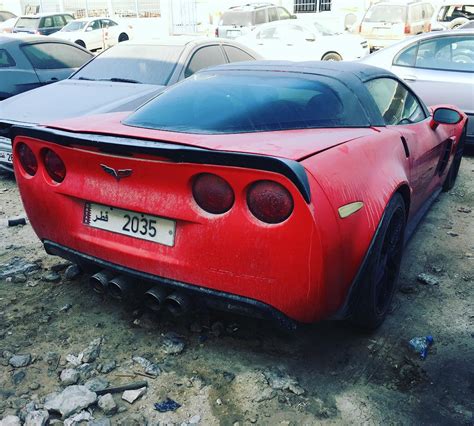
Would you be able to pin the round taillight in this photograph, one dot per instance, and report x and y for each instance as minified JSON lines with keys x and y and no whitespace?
{"x":27,"y":159}
{"x":212,"y":193}
{"x":269,"y":201}
{"x":54,"y":165}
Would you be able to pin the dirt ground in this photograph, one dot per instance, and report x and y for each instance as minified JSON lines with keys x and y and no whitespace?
{"x":234,"y":369}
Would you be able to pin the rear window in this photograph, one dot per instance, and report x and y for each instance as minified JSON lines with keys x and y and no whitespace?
{"x":244,"y":101}
{"x":27,"y":23}
{"x":393,"y":14}
{"x":241,"y":19}
{"x":49,"y":56}
{"x":145,"y":64}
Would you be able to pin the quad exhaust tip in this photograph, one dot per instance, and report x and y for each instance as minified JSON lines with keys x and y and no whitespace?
{"x":154,"y":298}
{"x":120,"y":287}
{"x":100,"y":281}
{"x":177,"y":304}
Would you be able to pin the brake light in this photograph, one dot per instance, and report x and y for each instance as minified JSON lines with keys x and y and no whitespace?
{"x":212,"y":193}
{"x":407,"y":29}
{"x":27,"y":159}
{"x":216,"y":32}
{"x":54,"y":165}
{"x":269,"y":201}
{"x":429,"y":27}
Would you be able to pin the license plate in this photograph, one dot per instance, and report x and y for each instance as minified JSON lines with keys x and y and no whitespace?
{"x":6,"y":156}
{"x":133,"y":224}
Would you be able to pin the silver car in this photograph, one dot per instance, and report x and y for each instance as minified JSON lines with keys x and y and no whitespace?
{"x":439,"y":66}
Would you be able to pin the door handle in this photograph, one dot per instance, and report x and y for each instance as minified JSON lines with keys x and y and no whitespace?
{"x":409,"y":77}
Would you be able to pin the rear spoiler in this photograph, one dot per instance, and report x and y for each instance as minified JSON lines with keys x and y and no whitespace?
{"x":291,"y":169}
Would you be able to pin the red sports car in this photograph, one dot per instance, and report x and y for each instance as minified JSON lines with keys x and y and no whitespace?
{"x":273,"y":188}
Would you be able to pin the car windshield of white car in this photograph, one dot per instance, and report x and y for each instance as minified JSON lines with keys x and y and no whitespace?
{"x":247,"y":101}
{"x":74,"y":26}
{"x":386,"y":13}
{"x":147,"y":64}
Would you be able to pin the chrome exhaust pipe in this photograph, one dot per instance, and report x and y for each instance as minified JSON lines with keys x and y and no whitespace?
{"x":177,"y":304}
{"x":155,"y":298}
{"x":120,"y":287}
{"x":100,"y":281}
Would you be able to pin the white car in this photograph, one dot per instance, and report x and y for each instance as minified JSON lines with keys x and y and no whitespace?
{"x":452,"y":14}
{"x":94,"y":33}
{"x":298,"y":40}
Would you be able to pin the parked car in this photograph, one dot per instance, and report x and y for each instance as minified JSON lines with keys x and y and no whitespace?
{"x":467,"y":25}
{"x":387,"y":22}
{"x":119,"y":79}
{"x":34,"y":61}
{"x":95,"y":33}
{"x":304,"y":41}
{"x":246,"y":187}
{"x":240,"y":20}
{"x":439,"y":66}
{"x":452,"y":14}
{"x":5,"y":15}
{"x":44,"y":24}
{"x":8,"y":25}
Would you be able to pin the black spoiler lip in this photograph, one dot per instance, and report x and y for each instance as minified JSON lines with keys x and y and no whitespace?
{"x":291,"y":169}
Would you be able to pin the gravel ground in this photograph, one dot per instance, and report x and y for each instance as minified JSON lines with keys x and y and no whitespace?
{"x":225,"y":369}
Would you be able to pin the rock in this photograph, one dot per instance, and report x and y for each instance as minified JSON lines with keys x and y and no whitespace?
{"x":66,"y":307}
{"x":18,"y":377}
{"x":86,"y":371}
{"x":282,"y":381}
{"x":60,"y":266}
{"x":266,"y":395}
{"x":427,"y":279}
{"x":194,"y":420}
{"x":17,"y":266}
{"x":37,"y":418}
{"x":133,"y":420}
{"x":132,"y":395}
{"x":92,"y":352}
{"x":34,"y":386}
{"x":83,"y":416}
{"x":97,"y":384}
{"x":452,"y":234}
{"x":107,"y":404}
{"x":72,"y":272}
{"x":228,"y":376}
{"x":108,"y":366}
{"x":71,"y":400}
{"x":51,"y":277}
{"x":18,"y":361}
{"x":52,"y":359}
{"x":104,"y":421}
{"x":173,"y":344}
{"x":10,"y":421}
{"x":464,"y":210}
{"x":19,"y":278}
{"x":149,"y":367}
{"x":31,"y":406}
{"x":69,"y":376}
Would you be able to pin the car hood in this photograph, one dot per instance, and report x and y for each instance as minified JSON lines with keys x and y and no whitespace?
{"x":74,"y":98}
{"x":290,"y":144}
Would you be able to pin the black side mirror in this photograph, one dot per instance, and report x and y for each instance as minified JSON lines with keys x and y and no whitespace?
{"x":445,"y":116}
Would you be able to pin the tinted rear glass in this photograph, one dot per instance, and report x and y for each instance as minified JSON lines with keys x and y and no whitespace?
{"x":74,"y":26}
{"x":235,"y":102}
{"x":27,"y":23}
{"x":49,"y":56}
{"x":386,"y":13}
{"x":145,"y":64}
{"x":241,"y":19}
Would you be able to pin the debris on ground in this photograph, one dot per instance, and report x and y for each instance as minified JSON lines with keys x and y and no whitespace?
{"x":51,"y":277}
{"x":72,"y":272}
{"x":420,"y":345}
{"x":173,"y":344}
{"x":427,"y":279}
{"x":36,"y":418}
{"x":18,"y":361}
{"x":282,"y":381}
{"x":97,"y":384}
{"x":70,"y":401}
{"x":132,"y":395}
{"x":17,"y":265}
{"x":107,"y":404}
{"x":464,"y":210}
{"x":149,"y":367}
{"x":77,"y":419}
{"x":69,"y":376}
{"x":167,"y":405}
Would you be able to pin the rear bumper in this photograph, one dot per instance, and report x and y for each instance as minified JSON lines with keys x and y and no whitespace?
{"x":201,"y":296}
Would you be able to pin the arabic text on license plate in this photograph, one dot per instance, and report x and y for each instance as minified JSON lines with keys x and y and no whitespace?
{"x":6,"y":156}
{"x":133,"y":224}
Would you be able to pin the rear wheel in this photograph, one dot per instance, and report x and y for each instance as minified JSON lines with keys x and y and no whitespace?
{"x":380,"y":276}
{"x":332,"y":56}
{"x":80,"y":43}
{"x":454,"y":169}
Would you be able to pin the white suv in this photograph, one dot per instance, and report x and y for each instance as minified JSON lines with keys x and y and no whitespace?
{"x":452,"y":14}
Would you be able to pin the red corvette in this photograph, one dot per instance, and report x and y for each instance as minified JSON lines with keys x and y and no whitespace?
{"x":276,"y":188}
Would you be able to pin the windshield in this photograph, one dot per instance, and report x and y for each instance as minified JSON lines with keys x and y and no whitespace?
{"x":74,"y":26}
{"x":249,"y":101}
{"x":241,"y":19}
{"x":148,"y":64}
{"x":324,"y":30}
{"x":386,"y":13}
{"x":27,"y":23}
{"x":448,"y":13}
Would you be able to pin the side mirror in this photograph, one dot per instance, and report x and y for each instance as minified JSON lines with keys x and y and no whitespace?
{"x":89,"y":29}
{"x":445,"y":116}
{"x":293,"y":17}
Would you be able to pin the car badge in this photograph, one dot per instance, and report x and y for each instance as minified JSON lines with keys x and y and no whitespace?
{"x":117,"y":174}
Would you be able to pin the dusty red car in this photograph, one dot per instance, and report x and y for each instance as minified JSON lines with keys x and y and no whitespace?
{"x":279,"y":188}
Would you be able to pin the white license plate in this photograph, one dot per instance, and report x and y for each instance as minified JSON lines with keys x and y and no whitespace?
{"x":6,"y":156}
{"x":133,"y":224}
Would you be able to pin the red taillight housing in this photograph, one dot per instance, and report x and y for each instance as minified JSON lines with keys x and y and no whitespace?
{"x":54,"y":165}
{"x":212,"y":193}
{"x":269,"y":201}
{"x":407,"y":29}
{"x":27,"y":158}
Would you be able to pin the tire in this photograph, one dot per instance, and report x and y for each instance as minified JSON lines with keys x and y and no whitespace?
{"x":80,"y":43}
{"x":454,"y":169}
{"x":331,"y":56}
{"x":380,"y":275}
{"x":123,"y":37}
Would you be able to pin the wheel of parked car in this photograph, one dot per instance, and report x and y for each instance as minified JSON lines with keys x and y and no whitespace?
{"x":123,"y":37}
{"x":331,"y":56}
{"x":379,"y":279}
{"x":80,"y":43}
{"x":454,"y":169}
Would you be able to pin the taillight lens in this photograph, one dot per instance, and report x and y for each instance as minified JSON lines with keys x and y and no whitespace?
{"x":269,"y":201}
{"x":54,"y":165}
{"x":212,"y":193}
{"x":407,"y":29}
{"x":216,"y":32}
{"x":27,"y":159}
